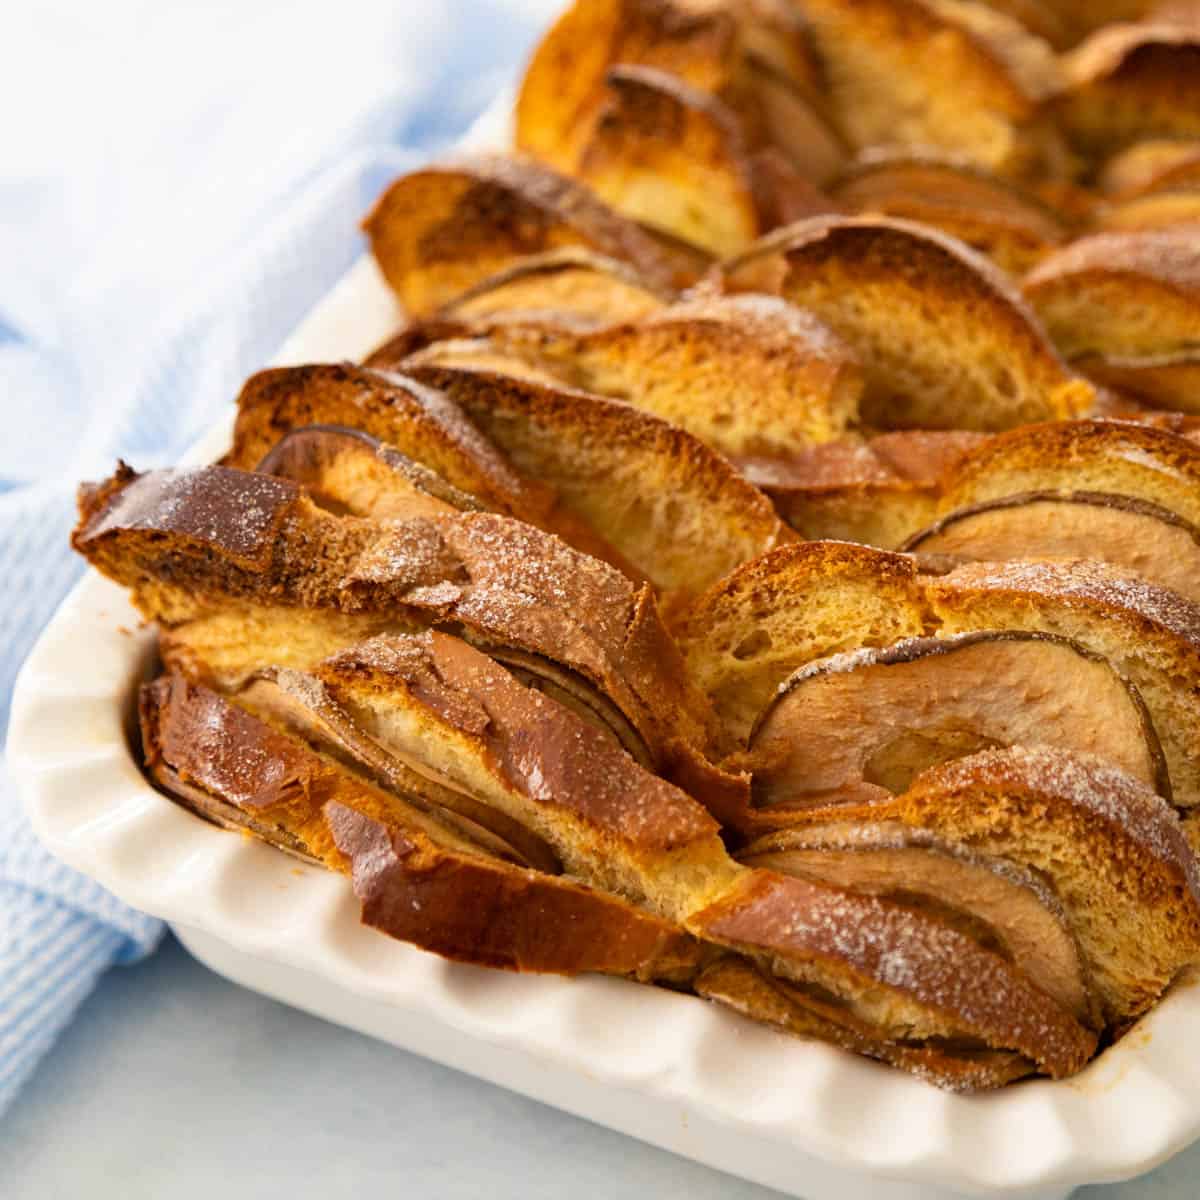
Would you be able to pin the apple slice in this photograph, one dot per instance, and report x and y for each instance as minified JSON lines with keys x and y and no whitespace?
{"x":892,"y":973}
{"x":1138,"y":536}
{"x":858,"y":727}
{"x":1114,"y":853}
{"x":964,"y":1065}
{"x":353,"y":472}
{"x":1002,"y":905}
{"x":988,"y":213}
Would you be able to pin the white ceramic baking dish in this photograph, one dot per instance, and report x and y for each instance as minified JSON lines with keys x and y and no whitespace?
{"x":675,"y":1071}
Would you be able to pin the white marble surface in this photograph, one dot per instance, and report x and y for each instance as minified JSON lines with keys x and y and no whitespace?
{"x":175,"y":1085}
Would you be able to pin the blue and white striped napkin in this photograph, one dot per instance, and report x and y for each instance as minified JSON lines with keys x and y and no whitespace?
{"x":164,"y":223}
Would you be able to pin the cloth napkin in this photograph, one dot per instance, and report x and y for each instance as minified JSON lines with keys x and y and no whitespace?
{"x":179,"y":185}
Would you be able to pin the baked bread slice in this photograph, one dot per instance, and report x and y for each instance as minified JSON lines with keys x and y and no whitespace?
{"x":419,"y":877}
{"x":439,"y":715}
{"x":750,"y":375}
{"x":1127,"y":494}
{"x":676,"y":510}
{"x":944,"y":338}
{"x":875,"y":490}
{"x":940,"y":74}
{"x":438,"y":231}
{"x":1105,"y":855}
{"x":417,"y":422}
{"x":1125,"y":308}
{"x":1130,"y":82}
{"x":571,"y":282}
{"x":1010,"y":226}
{"x":892,"y":981}
{"x":751,"y":630}
{"x":244,"y":571}
{"x":754,"y":56}
{"x":671,"y":157}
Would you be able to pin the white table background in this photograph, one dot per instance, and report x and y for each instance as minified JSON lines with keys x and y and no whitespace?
{"x":173,"y":1083}
{"x":176,"y":1085}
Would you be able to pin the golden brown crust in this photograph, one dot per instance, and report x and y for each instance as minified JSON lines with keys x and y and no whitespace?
{"x":192,"y":542}
{"x":874,"y":944}
{"x":984,"y":100}
{"x":990,"y":214}
{"x":1170,"y":259}
{"x":675,"y":509}
{"x":671,"y":157}
{"x":1117,"y":457}
{"x":416,"y":420}
{"x":572,"y":281}
{"x":946,"y":340}
{"x":1130,"y":82}
{"x":747,"y":374}
{"x":438,"y":231}
{"x":754,"y":56}
{"x":447,"y":898}
{"x":494,"y":915}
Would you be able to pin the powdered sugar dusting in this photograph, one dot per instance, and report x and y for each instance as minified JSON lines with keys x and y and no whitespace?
{"x":1082,"y":781}
{"x":1083,"y":583}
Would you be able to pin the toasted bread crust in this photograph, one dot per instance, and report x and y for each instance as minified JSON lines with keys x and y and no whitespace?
{"x":582,"y":444}
{"x":438,"y":231}
{"x":748,"y":374}
{"x":866,"y":939}
{"x":168,"y":535}
{"x":1118,"y":457}
{"x":1131,"y":82}
{"x":416,"y":420}
{"x":894,"y":290}
{"x":672,"y":157}
{"x":467,"y":907}
{"x":879,"y":56}
{"x":1146,"y":287}
{"x":990,"y":214}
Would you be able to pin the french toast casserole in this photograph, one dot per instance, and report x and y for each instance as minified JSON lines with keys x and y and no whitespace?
{"x":766,"y":562}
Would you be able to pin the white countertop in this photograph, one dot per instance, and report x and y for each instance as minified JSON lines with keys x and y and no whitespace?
{"x":176,"y":1085}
